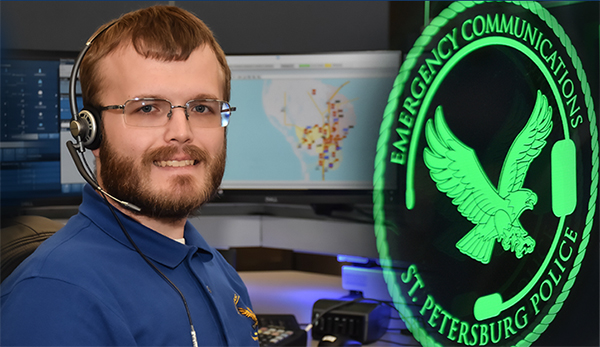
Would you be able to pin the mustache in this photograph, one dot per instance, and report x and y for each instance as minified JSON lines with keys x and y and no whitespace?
{"x":167,"y":152}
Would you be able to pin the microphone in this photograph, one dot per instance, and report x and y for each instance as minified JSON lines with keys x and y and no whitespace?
{"x":92,"y":182}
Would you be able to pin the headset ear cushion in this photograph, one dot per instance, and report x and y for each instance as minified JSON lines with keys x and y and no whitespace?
{"x":90,"y":123}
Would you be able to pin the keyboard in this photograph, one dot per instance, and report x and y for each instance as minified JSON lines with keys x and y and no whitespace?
{"x":280,"y":330}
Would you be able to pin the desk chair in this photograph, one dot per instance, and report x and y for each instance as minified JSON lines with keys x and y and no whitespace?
{"x":20,"y":237}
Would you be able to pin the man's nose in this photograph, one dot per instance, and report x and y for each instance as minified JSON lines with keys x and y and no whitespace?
{"x":178,"y":126}
{"x":180,"y":106}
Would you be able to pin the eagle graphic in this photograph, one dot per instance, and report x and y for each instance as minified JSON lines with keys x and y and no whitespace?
{"x":455,"y":169}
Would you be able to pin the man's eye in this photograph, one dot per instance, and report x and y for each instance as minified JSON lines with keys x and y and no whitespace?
{"x":146,"y":108}
{"x":200,"y":109}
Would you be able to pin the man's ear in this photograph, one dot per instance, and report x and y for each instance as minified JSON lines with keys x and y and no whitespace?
{"x":96,"y":152}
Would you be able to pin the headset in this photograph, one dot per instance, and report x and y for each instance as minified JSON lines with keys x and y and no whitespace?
{"x":85,"y":125}
{"x":86,"y":129}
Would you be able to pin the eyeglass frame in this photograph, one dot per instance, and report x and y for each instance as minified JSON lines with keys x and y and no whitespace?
{"x":225,"y":115}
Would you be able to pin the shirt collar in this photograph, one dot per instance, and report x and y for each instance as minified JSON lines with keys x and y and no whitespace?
{"x":154,"y":245}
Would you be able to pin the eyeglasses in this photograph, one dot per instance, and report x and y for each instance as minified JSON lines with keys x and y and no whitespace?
{"x":151,"y":112}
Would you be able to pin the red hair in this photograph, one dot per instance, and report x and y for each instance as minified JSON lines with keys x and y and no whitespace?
{"x":166,"y":33}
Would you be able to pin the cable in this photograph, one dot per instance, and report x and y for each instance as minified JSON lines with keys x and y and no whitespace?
{"x":91,"y":178}
{"x":156,"y":269}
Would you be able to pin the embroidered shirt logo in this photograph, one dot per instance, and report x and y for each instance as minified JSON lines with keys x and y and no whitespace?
{"x":247,"y":312}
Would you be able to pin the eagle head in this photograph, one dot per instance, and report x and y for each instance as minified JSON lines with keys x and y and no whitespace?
{"x":521,"y":200}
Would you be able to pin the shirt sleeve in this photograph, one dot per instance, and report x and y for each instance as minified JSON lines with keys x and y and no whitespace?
{"x":51,"y":312}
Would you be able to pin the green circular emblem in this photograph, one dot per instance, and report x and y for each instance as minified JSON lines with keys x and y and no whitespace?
{"x":486,"y":176}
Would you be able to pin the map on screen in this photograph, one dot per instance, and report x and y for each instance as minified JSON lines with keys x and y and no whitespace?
{"x":307,"y":121}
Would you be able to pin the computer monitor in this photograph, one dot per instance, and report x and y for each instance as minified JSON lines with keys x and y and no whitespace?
{"x":30,"y":146}
{"x":306,"y":126}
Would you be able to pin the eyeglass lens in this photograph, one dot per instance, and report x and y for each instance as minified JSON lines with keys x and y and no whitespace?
{"x":200,"y":113}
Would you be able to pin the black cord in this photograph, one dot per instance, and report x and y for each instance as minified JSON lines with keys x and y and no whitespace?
{"x":156,"y":269}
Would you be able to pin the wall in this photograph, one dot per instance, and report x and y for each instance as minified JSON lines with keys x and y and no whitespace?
{"x":241,"y":27}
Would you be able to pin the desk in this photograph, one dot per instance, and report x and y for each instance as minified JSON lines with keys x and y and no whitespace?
{"x":295,"y":292}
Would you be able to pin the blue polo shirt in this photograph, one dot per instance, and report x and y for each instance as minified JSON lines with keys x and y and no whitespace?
{"x":87,"y":286}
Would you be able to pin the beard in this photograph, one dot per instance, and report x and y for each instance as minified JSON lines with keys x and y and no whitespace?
{"x":130,"y":181}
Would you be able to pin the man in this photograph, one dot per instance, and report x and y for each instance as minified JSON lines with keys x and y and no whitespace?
{"x":158,"y":78}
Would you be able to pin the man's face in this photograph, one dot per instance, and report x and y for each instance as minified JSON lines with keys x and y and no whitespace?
{"x":167,"y":171}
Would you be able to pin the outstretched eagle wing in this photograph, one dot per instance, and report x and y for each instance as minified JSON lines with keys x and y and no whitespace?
{"x":526,"y":147}
{"x":455,"y":169}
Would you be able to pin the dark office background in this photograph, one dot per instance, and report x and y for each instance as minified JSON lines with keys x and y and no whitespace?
{"x":241,"y":27}
{"x":272,"y":27}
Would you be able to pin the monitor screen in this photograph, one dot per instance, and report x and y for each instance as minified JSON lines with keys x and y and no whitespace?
{"x":306,"y":126}
{"x":30,"y":152}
